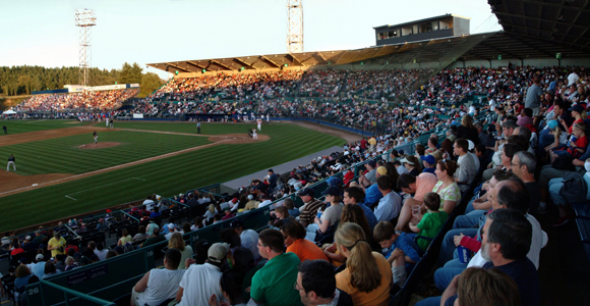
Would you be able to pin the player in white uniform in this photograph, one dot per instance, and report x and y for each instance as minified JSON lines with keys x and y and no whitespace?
{"x":254,"y":134}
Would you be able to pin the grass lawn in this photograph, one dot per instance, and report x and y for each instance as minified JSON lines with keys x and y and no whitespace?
{"x":186,"y":127}
{"x":165,"y":177}
{"x":62,"y":155}
{"x":24,"y":126}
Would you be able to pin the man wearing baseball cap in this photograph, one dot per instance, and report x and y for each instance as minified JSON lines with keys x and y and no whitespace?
{"x":39,"y":268}
{"x":428,"y":161}
{"x":310,"y":206}
{"x":202,"y":281}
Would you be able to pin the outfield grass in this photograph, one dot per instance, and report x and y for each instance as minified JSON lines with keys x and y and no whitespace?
{"x":24,"y":126}
{"x":185,"y":127}
{"x":165,"y":177}
{"x":63,"y":155}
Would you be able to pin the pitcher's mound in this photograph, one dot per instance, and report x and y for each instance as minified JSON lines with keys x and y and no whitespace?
{"x":100,"y":145}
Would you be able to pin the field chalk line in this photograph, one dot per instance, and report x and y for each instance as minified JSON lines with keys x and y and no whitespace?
{"x":133,"y":163}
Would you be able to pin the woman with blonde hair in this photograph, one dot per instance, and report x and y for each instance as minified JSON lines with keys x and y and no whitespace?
{"x":176,"y":242}
{"x":125,"y":237}
{"x":211,"y":212}
{"x":352,"y":214}
{"x":367,"y":277}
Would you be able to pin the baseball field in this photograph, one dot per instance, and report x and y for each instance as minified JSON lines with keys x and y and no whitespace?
{"x":61,"y":172}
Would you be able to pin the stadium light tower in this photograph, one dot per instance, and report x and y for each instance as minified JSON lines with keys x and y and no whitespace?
{"x":85,"y":19}
{"x":295,"y":35}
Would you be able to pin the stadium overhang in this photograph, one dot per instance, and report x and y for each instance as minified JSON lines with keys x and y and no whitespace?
{"x":485,"y":46}
{"x":559,"y":22}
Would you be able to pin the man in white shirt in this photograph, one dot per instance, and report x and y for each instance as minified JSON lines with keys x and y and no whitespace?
{"x":159,"y":285}
{"x":572,"y":78}
{"x":202,"y":281}
{"x":266,"y":201}
{"x":249,"y":237}
{"x":390,"y":204}
{"x":149,"y":202}
{"x":468,"y":164}
{"x":100,"y":252}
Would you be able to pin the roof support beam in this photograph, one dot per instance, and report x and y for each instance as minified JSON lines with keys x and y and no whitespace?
{"x":574,"y":21}
{"x":195,"y":64}
{"x":555,"y":5}
{"x":222,"y":65}
{"x":266,"y":59}
{"x":295,"y":60}
{"x":241,"y":62}
{"x":176,"y":67}
{"x":539,"y":19}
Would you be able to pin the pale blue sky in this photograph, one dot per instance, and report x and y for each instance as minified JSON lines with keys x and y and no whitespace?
{"x":42,"y":32}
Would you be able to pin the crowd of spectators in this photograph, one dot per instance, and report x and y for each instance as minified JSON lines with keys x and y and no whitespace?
{"x":233,"y":86}
{"x":87,"y":101}
{"x":372,"y":229}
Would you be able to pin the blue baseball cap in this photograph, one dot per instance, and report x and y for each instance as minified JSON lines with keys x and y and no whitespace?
{"x":335,"y":182}
{"x":333,"y":191}
{"x":429,"y":159}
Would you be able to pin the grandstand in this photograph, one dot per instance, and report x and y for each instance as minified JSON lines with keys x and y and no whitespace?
{"x":412,"y":97}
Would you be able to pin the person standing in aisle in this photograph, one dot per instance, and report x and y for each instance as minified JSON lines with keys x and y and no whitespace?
{"x":11,"y":161}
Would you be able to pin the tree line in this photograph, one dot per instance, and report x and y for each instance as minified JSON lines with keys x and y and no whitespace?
{"x":22,"y":80}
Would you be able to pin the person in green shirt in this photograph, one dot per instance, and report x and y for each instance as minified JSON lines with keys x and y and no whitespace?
{"x":274,"y":284}
{"x":432,"y":221}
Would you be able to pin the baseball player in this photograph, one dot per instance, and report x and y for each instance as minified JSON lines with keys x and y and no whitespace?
{"x":95,"y":137}
{"x":11,"y":161}
{"x":111,"y":124}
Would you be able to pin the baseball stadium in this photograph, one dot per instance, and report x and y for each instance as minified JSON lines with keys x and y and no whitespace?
{"x":435,"y":167}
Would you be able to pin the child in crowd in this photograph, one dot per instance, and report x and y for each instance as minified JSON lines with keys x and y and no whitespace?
{"x":399,"y":248}
{"x":431,"y":222}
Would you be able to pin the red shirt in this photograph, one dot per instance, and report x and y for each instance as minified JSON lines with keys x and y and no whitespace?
{"x":72,"y":247}
{"x":17,"y":251}
{"x":581,"y":142}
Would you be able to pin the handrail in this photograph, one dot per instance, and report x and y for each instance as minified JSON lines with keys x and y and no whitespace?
{"x":87,"y":297}
{"x":72,"y":231}
{"x":132,"y":217}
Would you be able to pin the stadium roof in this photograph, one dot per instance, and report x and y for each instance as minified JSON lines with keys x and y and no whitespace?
{"x":562,"y":22}
{"x":486,"y":46}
